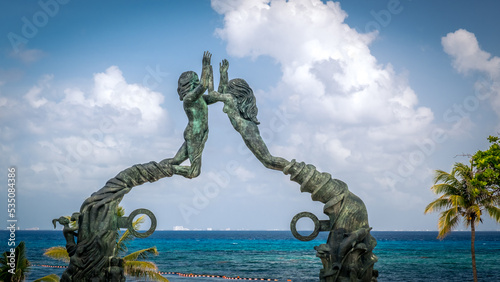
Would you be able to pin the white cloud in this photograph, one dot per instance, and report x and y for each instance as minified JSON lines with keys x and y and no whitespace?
{"x":111,"y":89}
{"x":123,"y":102}
{"x":111,"y":97}
{"x":33,"y":94}
{"x":243,"y":174}
{"x":350,"y":111}
{"x":73,"y":134}
{"x":77,"y":97}
{"x":28,"y":55}
{"x":468,"y":57}
{"x":38,"y":167}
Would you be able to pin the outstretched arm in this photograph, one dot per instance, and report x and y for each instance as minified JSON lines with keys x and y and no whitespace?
{"x":253,"y":140}
{"x":214,"y":97}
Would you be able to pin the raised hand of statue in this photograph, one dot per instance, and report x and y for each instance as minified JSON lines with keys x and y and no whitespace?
{"x":207,"y":73}
{"x":223,"y":66}
{"x":207,"y":56}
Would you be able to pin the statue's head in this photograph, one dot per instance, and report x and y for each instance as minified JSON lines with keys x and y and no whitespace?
{"x":245,"y":99}
{"x":187,"y":82}
{"x":75,"y":216}
{"x":62,"y":220}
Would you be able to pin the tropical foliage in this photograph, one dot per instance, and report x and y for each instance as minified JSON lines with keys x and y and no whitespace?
{"x":48,"y":278}
{"x":488,"y":165}
{"x":468,"y":191}
{"x":134,"y":264}
{"x":16,"y":270}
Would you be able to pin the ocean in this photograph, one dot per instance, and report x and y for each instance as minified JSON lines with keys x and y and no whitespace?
{"x":278,"y":256}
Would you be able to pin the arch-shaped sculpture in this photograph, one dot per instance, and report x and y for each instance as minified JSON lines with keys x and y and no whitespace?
{"x":347,"y":254}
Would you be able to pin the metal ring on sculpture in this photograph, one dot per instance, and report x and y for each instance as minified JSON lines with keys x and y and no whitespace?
{"x":130,"y":226}
{"x":293,"y":226}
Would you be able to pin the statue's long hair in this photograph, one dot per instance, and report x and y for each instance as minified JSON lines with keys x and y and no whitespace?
{"x":187,"y":81}
{"x":245,"y":99}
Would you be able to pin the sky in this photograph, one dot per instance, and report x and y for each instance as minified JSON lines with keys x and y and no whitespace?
{"x":379,"y":94}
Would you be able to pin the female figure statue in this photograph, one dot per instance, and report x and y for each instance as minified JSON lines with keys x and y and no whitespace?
{"x":240,"y":107}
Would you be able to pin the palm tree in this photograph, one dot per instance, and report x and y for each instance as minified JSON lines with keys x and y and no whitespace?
{"x":461,"y":200}
{"x":21,"y":265}
{"x":134,"y":265}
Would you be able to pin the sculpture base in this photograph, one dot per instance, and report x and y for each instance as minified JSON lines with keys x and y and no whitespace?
{"x":347,"y":257}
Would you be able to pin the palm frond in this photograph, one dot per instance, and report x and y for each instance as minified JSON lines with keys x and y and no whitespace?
{"x":21,"y":265}
{"x":137,"y":223}
{"x":494,"y":212}
{"x":157,"y":277}
{"x":21,"y":252}
{"x":438,"y":204}
{"x":141,"y":254}
{"x":444,"y":177}
{"x":48,"y":278}
{"x":121,"y":244}
{"x":4,"y":267}
{"x":445,"y":189}
{"x":143,"y":269}
{"x":448,"y":220}
{"x":496,"y":198}
{"x":485,"y":197}
{"x":58,"y":253}
{"x":120,"y":211}
{"x":457,"y":201}
{"x":463,"y":171}
{"x":139,"y":268}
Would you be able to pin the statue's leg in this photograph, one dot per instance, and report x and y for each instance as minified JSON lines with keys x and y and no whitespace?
{"x":180,"y":156}
{"x":195,"y":168}
{"x":194,"y":153}
{"x":191,"y":171}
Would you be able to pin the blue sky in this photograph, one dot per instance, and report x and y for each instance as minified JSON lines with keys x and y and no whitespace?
{"x":377,"y":93}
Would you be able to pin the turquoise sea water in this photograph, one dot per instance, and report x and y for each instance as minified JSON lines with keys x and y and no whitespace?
{"x":403,"y":256}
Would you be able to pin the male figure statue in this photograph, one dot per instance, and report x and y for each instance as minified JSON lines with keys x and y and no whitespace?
{"x":195,"y":135}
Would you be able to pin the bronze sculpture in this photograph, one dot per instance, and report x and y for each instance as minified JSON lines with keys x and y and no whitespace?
{"x":94,"y":256}
{"x":347,"y":255}
{"x":240,"y":107}
{"x":348,"y":252}
{"x":196,"y":133}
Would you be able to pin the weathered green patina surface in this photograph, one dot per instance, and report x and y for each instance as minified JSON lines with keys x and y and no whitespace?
{"x":346,"y":256}
{"x":93,"y":258}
